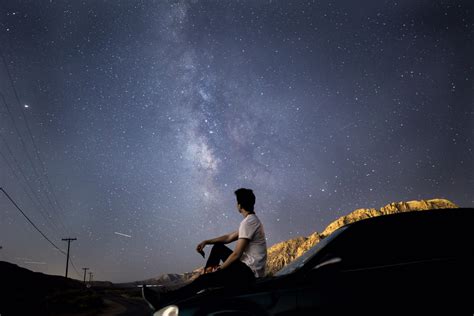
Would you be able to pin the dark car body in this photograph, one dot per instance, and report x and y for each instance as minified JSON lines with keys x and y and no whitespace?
{"x":413,"y":262}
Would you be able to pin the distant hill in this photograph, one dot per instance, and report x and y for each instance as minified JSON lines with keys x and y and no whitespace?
{"x":169,"y":280}
{"x":14,"y":277}
{"x":24,"y":292}
{"x":285,"y":252}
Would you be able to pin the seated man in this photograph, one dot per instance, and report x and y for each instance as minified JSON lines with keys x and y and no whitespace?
{"x":240,"y":267}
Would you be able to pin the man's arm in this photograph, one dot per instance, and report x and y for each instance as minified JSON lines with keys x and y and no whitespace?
{"x":238,"y":251}
{"x":225,"y":239}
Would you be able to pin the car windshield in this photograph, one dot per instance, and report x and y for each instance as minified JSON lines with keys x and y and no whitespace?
{"x":303,"y":259}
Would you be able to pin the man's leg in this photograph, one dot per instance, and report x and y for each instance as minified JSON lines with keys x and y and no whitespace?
{"x":236,"y":275}
{"x":201,"y":282}
{"x":218,"y":252}
{"x":158,"y":299}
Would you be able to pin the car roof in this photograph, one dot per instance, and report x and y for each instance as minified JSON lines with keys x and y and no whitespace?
{"x":460,"y":216}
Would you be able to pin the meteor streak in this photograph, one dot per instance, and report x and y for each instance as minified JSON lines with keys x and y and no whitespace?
{"x":121,"y":234}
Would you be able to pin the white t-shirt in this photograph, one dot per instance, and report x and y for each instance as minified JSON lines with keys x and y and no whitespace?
{"x":255,"y":254}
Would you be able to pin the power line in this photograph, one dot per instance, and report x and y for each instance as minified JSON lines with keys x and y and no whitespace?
{"x":74,"y":267}
{"x":10,"y":114}
{"x":42,"y":208}
{"x":33,"y":224}
{"x":32,"y":140}
{"x":42,"y":234}
{"x":42,"y":164}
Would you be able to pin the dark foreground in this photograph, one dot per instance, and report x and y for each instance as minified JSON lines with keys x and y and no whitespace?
{"x":23,"y":292}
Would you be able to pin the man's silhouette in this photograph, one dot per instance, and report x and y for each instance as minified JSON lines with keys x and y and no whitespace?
{"x":240,"y":267}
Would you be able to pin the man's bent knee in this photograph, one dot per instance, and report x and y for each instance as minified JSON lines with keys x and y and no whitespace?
{"x":219,"y":245}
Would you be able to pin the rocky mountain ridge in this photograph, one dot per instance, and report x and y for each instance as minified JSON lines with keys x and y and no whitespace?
{"x":285,"y":252}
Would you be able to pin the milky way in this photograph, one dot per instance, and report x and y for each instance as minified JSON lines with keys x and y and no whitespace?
{"x":149,"y":115}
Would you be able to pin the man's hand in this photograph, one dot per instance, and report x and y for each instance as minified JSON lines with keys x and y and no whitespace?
{"x":201,"y":246}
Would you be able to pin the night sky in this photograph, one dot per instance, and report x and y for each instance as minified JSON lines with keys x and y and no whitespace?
{"x":148,"y":115}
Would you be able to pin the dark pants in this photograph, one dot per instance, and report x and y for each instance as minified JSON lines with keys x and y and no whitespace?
{"x":237,"y":274}
{"x":218,"y":252}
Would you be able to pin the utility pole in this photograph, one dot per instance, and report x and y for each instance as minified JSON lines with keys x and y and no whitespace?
{"x":68,"y":246}
{"x":90,"y":277}
{"x":85,"y":269}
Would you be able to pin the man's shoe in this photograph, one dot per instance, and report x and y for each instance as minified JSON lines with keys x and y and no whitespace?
{"x":210,"y":269}
{"x":151,"y":297}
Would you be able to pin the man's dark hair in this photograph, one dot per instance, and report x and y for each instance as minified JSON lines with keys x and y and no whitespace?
{"x":246,"y":199}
